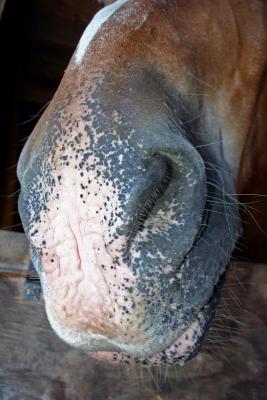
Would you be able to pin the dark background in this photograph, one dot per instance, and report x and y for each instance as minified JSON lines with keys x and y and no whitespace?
{"x":37,"y":39}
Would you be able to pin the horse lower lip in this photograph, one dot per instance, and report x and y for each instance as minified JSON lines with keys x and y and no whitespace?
{"x":206,"y":313}
{"x":180,"y":350}
{"x":171,"y":354}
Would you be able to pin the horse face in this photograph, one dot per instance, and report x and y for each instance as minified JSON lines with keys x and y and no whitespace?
{"x":128,"y":185}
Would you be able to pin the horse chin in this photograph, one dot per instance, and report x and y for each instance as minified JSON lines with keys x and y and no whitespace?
{"x":185,"y":347}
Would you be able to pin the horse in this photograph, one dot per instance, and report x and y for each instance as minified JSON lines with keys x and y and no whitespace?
{"x":134,"y":179}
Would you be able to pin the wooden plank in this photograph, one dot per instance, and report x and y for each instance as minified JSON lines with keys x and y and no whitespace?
{"x":14,"y":253}
{"x":35,"y":364}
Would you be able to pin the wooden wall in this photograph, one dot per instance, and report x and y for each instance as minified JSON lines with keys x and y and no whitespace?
{"x":35,"y":364}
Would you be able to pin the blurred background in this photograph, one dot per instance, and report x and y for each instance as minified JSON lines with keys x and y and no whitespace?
{"x":37,"y":39}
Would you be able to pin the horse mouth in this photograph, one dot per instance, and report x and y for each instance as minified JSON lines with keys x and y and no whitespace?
{"x":182,"y":349}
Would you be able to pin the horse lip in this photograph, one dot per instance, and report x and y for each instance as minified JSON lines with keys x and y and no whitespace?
{"x":206,"y":312}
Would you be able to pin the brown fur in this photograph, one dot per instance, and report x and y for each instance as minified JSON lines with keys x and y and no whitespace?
{"x":212,"y":47}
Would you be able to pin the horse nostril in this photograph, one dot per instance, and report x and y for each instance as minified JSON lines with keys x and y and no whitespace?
{"x":167,"y":202}
{"x":152,"y":196}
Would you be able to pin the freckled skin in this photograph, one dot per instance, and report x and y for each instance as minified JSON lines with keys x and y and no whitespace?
{"x":128,"y":187}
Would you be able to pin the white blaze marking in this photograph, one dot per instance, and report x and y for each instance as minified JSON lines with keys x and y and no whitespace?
{"x":94,"y":27}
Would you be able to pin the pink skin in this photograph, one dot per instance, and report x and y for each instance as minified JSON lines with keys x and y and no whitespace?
{"x":180,"y":348}
{"x":84,"y":291}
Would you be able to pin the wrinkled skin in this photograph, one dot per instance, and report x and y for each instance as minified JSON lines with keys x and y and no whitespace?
{"x":128,"y":181}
